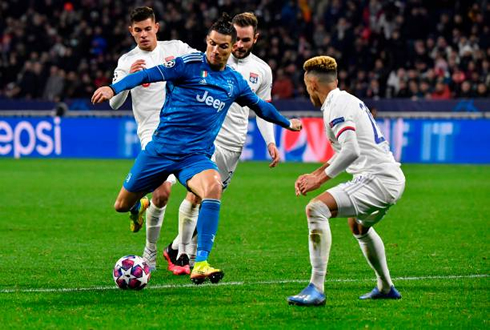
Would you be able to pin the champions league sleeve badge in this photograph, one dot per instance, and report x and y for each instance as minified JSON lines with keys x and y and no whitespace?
{"x":169,"y":64}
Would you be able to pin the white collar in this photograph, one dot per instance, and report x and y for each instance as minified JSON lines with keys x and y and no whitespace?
{"x":329,"y":98}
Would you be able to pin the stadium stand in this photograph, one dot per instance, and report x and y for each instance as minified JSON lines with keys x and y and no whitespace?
{"x":55,"y":50}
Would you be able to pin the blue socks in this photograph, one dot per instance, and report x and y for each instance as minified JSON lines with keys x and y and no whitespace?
{"x":207,"y":226}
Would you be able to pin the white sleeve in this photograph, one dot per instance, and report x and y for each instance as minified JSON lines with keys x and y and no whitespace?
{"x":186,"y":49}
{"x":349,"y":152}
{"x":119,"y":74}
{"x":267,"y":130}
{"x":264,"y":92}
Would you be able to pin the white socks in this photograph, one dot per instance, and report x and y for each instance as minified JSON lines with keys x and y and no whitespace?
{"x":154,"y":221}
{"x":374,"y":251}
{"x":319,"y":241}
{"x":188,"y":214}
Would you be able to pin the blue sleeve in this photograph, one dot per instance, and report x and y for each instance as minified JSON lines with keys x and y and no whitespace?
{"x":263,"y":109}
{"x":168,"y":71}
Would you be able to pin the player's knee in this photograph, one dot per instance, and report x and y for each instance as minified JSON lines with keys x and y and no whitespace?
{"x":317,"y":210}
{"x":121,"y":206}
{"x":161,"y":195}
{"x":193,"y":199}
{"x":356,"y":228}
{"x":214,"y":190}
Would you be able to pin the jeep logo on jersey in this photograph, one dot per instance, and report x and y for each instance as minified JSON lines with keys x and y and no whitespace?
{"x":211,"y":101}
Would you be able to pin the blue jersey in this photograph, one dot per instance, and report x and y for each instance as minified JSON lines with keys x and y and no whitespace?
{"x":197,"y":101}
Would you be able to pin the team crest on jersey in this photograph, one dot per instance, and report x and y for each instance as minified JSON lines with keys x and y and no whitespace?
{"x":204,"y":74}
{"x":253,"y":78}
{"x":169,"y":58}
{"x":336,"y":121}
{"x":169,"y":64}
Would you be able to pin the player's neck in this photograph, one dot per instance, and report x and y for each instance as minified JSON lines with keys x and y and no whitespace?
{"x":152,"y":48}
{"x":324,"y":92}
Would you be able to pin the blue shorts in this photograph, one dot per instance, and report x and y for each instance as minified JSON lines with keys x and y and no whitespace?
{"x":150,"y":170}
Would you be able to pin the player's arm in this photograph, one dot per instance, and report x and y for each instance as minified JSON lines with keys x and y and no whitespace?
{"x":119,"y":74}
{"x":266,"y":128}
{"x":265,"y":110}
{"x":169,"y":71}
{"x":349,"y":152}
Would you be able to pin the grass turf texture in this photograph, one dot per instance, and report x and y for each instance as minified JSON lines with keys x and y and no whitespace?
{"x":59,"y":231}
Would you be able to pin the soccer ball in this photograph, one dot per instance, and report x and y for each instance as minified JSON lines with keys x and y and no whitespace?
{"x":131,"y":272}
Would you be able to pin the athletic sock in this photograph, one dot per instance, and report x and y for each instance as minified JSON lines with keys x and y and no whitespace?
{"x":207,"y":226}
{"x":188,"y":214}
{"x":319,"y":242}
{"x":154,"y":221}
{"x":374,"y":251}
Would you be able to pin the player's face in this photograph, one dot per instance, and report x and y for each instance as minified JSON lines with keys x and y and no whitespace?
{"x":218,"y":49}
{"x":245,"y":41}
{"x":145,"y":34}
{"x":311,"y":87}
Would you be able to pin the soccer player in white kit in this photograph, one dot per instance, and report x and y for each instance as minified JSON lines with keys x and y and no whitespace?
{"x":377,"y":184}
{"x":147,"y":101}
{"x":231,"y":138}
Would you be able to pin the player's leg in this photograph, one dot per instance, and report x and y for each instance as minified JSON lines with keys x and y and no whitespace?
{"x":182,"y":248}
{"x":200,"y":176}
{"x":147,"y":174}
{"x":226,"y":161}
{"x":154,"y":219}
{"x":318,"y":213}
{"x":373,"y":197}
{"x":207,"y":185}
{"x":373,"y":249}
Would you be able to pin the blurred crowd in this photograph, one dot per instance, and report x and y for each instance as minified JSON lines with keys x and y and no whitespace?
{"x":64,"y":49}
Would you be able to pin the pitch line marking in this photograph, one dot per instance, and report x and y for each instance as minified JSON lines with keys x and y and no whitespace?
{"x":190,"y":285}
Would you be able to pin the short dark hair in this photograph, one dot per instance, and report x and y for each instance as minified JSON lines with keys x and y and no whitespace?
{"x":140,"y":14}
{"x":224,"y":26}
{"x":246,"y":19}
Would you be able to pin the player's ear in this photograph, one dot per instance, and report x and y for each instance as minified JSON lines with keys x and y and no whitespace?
{"x":130,"y":29}
{"x":256,"y":37}
{"x":157,"y":26}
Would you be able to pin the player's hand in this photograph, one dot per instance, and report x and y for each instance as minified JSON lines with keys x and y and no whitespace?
{"x":306,"y":183}
{"x":274,"y":153}
{"x":138,"y":65}
{"x":296,"y":125}
{"x":102,"y":94}
{"x":297,"y":189}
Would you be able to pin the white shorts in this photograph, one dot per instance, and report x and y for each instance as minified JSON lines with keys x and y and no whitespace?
{"x":227,"y":162}
{"x":367,"y":197}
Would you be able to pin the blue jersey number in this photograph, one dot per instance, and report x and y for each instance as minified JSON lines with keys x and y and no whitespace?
{"x":378,"y":137}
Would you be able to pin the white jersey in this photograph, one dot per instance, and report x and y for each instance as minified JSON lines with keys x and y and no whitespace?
{"x":147,"y":99}
{"x":233,"y":133}
{"x":343,"y":111}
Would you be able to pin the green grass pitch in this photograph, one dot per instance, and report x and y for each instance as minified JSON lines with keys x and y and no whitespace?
{"x":60,"y":237}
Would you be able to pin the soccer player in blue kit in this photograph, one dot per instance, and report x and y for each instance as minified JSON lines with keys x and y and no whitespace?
{"x":200,"y":90}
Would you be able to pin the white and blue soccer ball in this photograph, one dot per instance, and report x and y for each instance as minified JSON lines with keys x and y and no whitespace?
{"x":131,"y":272}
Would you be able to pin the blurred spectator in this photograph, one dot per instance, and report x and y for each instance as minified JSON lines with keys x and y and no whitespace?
{"x":283,"y":86}
{"x":54,"y":85}
{"x":441,"y":91}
